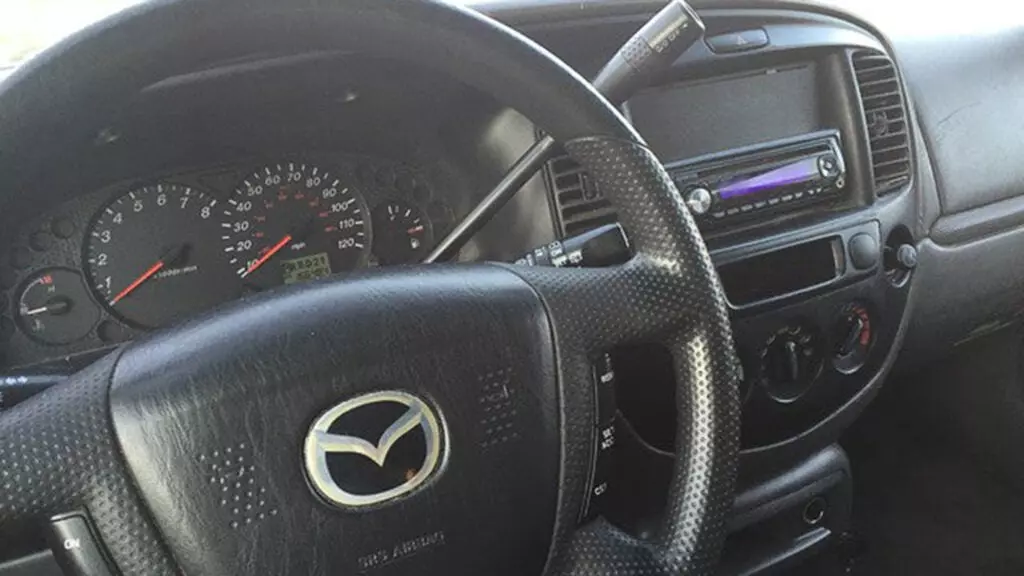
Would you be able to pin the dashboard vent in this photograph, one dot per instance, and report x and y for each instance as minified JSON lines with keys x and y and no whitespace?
{"x":581,"y":206}
{"x":886,"y":119}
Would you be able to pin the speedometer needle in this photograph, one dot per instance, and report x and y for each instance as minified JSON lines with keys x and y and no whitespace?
{"x":270,"y":254}
{"x":170,"y":255}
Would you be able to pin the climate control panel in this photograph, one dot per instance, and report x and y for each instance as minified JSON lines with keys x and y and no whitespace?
{"x":793,"y":357}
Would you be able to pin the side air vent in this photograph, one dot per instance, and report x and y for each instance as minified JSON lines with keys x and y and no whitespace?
{"x":581,"y":206}
{"x":886,"y":119}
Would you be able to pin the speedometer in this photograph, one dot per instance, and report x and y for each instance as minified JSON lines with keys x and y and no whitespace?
{"x":293,"y":222}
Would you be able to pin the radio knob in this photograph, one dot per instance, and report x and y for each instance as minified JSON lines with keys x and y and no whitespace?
{"x":828,"y":166}
{"x":699,"y":200}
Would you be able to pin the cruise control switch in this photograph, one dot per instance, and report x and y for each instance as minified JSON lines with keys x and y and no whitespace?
{"x":76,"y":549}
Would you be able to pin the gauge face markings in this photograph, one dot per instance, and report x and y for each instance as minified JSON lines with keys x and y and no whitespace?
{"x":292,"y":222}
{"x":54,"y":307}
{"x":402,"y":233}
{"x":151,"y":255}
{"x":165,"y":250}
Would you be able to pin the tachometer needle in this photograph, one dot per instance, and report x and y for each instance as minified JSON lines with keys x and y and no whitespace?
{"x":270,"y":254}
{"x":170,"y":255}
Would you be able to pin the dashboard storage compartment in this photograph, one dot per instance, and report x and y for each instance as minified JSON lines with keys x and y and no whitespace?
{"x":782,"y":272}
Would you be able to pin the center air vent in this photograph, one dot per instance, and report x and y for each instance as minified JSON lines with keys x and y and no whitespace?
{"x":886,"y":118}
{"x":581,"y":206}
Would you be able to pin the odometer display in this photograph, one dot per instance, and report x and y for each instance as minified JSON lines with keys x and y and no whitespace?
{"x":290,"y":222}
{"x":306,"y":268}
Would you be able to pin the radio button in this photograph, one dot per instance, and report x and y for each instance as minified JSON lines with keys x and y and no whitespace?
{"x":864,"y":252}
{"x":699,"y":200}
{"x":738,"y":41}
{"x":828,"y":166}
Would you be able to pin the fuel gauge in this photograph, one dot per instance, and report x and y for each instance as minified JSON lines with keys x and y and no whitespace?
{"x":55,"y":308}
{"x":401,"y":233}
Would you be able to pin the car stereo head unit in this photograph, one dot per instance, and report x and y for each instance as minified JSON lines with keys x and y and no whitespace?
{"x":733,"y":185}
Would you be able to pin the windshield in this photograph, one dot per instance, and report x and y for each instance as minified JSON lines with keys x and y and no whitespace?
{"x":28,"y":26}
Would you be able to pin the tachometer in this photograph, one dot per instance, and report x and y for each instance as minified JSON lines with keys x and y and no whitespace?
{"x":152,"y":255}
{"x":293,"y":222}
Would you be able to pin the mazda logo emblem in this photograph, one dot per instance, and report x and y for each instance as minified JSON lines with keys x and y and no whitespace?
{"x":373,"y":448}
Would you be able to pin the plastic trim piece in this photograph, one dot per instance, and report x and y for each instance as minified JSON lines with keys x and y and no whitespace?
{"x":804,"y":547}
{"x":762,"y":496}
{"x":975,"y":223}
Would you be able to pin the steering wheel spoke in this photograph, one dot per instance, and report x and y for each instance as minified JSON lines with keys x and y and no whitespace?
{"x":599,"y":308}
{"x":58,"y":455}
{"x":667,"y":294}
{"x":594,"y":310}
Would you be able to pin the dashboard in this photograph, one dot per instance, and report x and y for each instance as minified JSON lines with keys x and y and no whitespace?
{"x":786,"y":132}
{"x":138,"y":255}
{"x":860,"y":196}
{"x":820,"y":158}
{"x":161,"y":216}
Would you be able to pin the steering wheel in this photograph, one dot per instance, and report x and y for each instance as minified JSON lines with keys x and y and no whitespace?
{"x":259,"y":438}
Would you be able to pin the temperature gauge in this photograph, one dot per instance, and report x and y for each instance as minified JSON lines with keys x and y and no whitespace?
{"x":55,"y":308}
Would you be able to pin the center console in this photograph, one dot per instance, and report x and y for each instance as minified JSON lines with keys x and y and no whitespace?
{"x":778,"y":162}
{"x":793,"y":154}
{"x":790,"y":141}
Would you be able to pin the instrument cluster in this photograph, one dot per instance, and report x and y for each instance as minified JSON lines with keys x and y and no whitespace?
{"x":109,"y":265}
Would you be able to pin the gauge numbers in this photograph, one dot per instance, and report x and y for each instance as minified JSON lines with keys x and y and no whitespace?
{"x":291,"y":222}
{"x":151,"y":255}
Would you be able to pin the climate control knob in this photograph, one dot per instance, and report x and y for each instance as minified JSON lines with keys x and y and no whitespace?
{"x":791,"y":361}
{"x":699,"y":200}
{"x":852,"y":337}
